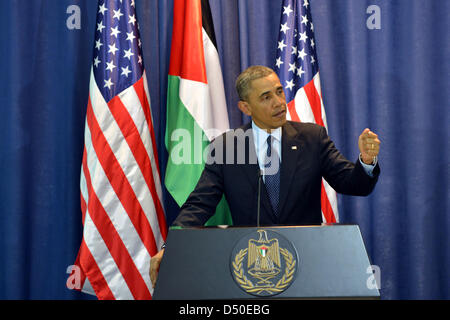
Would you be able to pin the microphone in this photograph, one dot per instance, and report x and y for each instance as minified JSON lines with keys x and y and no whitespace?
{"x":258,"y":212}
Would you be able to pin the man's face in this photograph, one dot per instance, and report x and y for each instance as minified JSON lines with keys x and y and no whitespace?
{"x":266,"y":103}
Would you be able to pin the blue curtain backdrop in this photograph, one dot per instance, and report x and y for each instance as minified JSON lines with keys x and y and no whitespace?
{"x":394,"y":80}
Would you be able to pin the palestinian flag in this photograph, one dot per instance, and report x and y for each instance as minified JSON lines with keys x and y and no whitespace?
{"x":196,"y":105}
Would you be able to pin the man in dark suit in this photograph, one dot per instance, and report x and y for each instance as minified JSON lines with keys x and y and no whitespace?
{"x":282,"y":161}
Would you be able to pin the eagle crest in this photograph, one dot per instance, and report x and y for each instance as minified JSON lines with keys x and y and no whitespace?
{"x":263,"y":258}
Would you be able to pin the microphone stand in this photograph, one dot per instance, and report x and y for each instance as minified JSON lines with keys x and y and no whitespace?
{"x":259,"y":197}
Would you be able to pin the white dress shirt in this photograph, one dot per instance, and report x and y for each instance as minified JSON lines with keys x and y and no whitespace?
{"x":260,"y":137}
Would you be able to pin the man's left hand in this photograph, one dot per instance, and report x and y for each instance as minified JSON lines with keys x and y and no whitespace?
{"x":369,"y":146}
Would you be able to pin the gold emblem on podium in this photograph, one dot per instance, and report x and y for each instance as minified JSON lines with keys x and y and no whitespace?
{"x":265,"y":267}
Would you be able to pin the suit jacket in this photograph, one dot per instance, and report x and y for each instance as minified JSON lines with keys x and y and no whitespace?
{"x":308,"y":154}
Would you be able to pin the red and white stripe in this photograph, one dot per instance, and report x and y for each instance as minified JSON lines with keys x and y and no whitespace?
{"x":121,"y":196}
{"x":307,"y":106}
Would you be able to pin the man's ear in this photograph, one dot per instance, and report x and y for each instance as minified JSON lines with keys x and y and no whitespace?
{"x":244,"y":107}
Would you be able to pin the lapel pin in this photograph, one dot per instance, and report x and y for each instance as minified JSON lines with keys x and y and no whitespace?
{"x":294,"y":147}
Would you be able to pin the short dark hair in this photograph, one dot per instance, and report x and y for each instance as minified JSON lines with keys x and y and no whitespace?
{"x":244,"y":80}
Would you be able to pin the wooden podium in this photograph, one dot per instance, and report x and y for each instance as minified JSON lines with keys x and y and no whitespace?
{"x":298,"y":262}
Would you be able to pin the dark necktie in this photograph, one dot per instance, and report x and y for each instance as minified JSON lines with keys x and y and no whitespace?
{"x":272,"y":174}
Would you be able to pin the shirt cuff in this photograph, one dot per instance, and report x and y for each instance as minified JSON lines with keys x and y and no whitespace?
{"x":368,"y":168}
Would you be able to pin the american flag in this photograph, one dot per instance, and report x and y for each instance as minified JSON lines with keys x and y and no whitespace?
{"x":298,"y":70}
{"x":121,"y":199}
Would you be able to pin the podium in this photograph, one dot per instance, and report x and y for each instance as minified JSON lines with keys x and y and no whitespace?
{"x":295,"y":262}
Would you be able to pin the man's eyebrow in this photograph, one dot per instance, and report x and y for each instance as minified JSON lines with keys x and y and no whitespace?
{"x":268,"y":91}
{"x":264,"y":93}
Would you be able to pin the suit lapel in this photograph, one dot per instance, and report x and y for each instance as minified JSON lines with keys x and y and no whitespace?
{"x":290,"y":150}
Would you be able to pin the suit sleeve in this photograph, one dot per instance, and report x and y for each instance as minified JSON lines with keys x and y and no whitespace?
{"x":343,"y":175}
{"x":202,"y":202}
